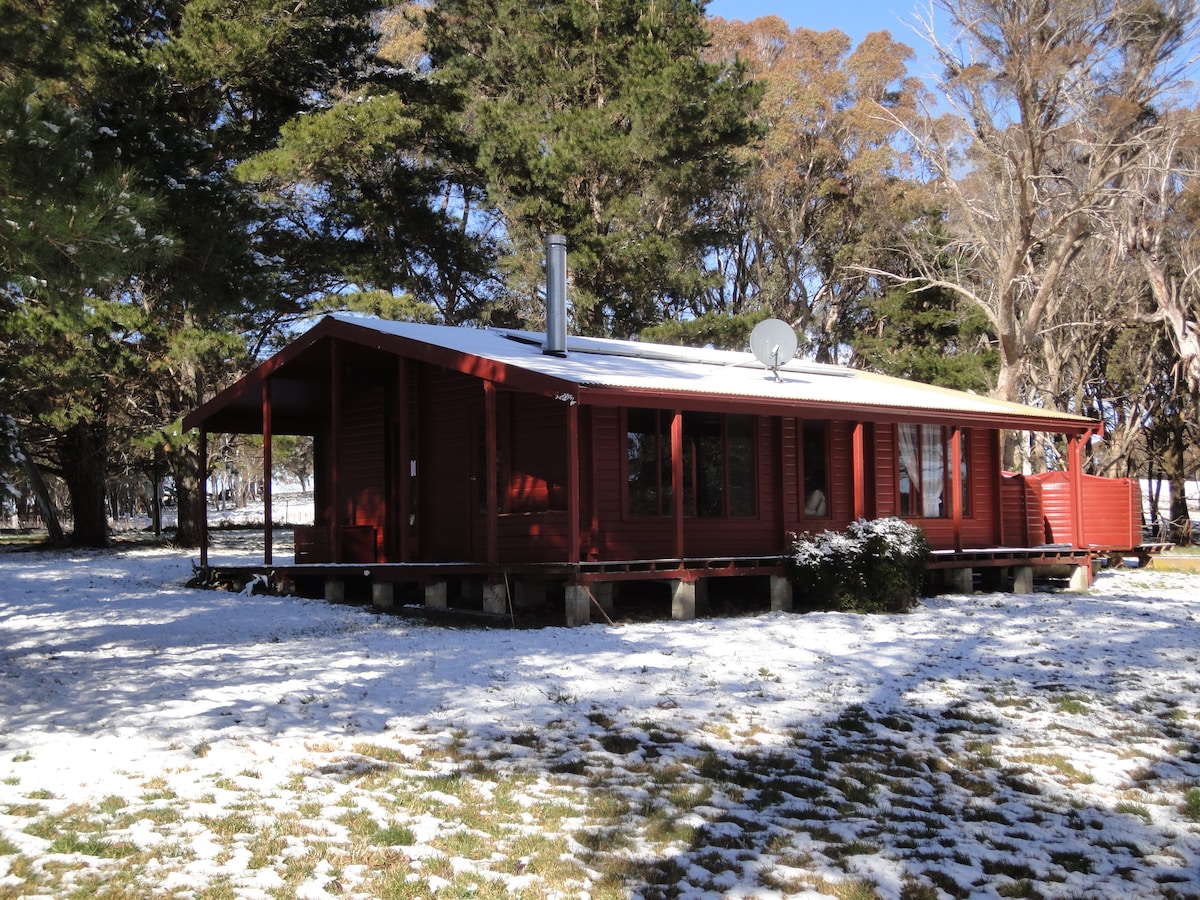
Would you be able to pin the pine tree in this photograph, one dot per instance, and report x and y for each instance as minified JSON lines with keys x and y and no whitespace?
{"x":600,"y":121}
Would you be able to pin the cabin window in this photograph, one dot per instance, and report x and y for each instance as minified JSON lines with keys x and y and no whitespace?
{"x":648,"y":457}
{"x":718,"y":464}
{"x":815,"y":461}
{"x":925,"y":473}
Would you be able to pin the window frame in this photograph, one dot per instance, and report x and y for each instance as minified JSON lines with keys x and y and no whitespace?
{"x":965,"y":475}
{"x":802,"y":467}
{"x":663,"y":466}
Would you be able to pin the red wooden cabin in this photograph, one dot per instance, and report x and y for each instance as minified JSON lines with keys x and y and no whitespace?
{"x":442,"y":450}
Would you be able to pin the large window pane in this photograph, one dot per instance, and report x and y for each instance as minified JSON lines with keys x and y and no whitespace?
{"x":703,"y":465}
{"x":718,"y":464}
{"x":815,"y":449}
{"x":742,"y":491}
{"x":648,"y":451}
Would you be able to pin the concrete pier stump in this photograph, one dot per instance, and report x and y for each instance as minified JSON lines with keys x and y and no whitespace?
{"x":383,"y":595}
{"x":437,"y":595}
{"x":683,"y":600}
{"x":781,"y":594}
{"x":578,"y":605}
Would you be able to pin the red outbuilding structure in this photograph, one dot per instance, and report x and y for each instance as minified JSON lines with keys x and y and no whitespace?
{"x":452,"y":455}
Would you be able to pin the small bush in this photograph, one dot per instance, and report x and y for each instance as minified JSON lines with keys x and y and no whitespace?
{"x":874,"y":566}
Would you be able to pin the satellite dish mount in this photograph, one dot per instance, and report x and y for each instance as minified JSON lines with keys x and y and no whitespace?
{"x":773,"y":343}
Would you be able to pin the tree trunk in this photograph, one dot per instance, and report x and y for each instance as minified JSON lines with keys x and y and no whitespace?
{"x":42,"y":495}
{"x":1176,"y":463}
{"x":1008,"y":382}
{"x":190,"y":507}
{"x":83,"y":453}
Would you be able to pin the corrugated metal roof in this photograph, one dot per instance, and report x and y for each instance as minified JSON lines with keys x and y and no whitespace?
{"x":667,"y":369}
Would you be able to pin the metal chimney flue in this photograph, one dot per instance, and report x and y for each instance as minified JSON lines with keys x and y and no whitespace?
{"x":556,"y":296}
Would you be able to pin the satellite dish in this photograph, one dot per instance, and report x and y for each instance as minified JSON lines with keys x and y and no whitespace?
{"x":773,"y":343}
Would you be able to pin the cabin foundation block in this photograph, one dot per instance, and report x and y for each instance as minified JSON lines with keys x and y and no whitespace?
{"x":683,"y":600}
{"x":383,"y":595}
{"x":1081,"y":578}
{"x":781,"y":594}
{"x":436,"y":595}
{"x":962,"y":581}
{"x":578,"y":605}
{"x":1022,"y":579}
{"x":495,"y":599}
{"x":335,"y":590}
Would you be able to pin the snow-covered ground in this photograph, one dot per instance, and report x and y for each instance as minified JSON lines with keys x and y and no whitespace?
{"x":162,"y":741}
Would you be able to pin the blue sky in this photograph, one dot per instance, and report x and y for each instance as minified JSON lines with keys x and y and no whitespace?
{"x":855,"y":17}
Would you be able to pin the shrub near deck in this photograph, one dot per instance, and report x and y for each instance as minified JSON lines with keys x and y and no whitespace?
{"x":873,"y":566}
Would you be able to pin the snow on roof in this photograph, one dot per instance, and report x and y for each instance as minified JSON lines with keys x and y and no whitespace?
{"x":615,"y":364}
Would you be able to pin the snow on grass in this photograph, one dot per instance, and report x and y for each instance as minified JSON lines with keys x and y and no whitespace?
{"x":161,"y":741}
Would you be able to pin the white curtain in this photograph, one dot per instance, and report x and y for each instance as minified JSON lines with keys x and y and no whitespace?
{"x":909,"y":435}
{"x":933,"y":470}
{"x":923,"y":453}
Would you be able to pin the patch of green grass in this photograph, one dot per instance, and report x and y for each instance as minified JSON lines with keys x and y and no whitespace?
{"x":464,"y":844}
{"x":394,"y":835}
{"x":601,"y":719}
{"x":620,"y":744}
{"x":1059,"y":764}
{"x":228,"y":825}
{"x":1191,"y":804}
{"x":92,"y":845}
{"x":383,"y":754}
{"x":1129,"y":808}
{"x":1072,"y":861}
{"x":1023,"y":887}
{"x":1072,"y":704}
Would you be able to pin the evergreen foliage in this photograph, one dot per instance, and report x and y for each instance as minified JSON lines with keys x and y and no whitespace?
{"x":929,"y":336}
{"x":603,"y":123}
{"x":724,"y":332}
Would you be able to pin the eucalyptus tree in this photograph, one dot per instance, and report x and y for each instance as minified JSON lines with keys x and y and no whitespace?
{"x":1157,"y":224}
{"x":832,"y":181}
{"x":1056,"y":103}
{"x":597,"y":119}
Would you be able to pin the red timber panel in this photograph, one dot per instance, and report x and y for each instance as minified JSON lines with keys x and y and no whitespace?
{"x":979,"y":526}
{"x":533,"y":434}
{"x":1112,"y":513}
{"x":886,"y":471}
{"x":322,"y":478}
{"x":449,"y":499}
{"x":1053,"y":490}
{"x":1021,"y":508}
{"x":791,"y":484}
{"x":533,"y":537}
{"x":361,"y":456}
{"x":841,"y":474}
{"x":536,"y":472}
